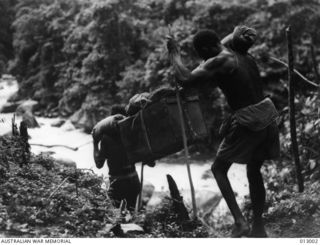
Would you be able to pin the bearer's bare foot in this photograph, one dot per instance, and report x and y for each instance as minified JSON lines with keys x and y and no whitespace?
{"x":258,"y":230}
{"x":240,"y":230}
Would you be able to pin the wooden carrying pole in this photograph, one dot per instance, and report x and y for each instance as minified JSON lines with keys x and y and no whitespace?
{"x":293,"y":132}
{"x":141,"y":187}
{"x":186,"y":151}
{"x":139,"y":199}
{"x":184,"y":139}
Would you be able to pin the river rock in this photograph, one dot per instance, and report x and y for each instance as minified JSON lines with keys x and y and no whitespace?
{"x":68,"y":126}
{"x":126,"y":228}
{"x":28,"y":105}
{"x":147,"y":192}
{"x":131,"y":228}
{"x":155,"y":200}
{"x":58,"y":123}
{"x":207,"y":201}
{"x":84,"y":119}
{"x":10,"y":107}
{"x":30,"y":120}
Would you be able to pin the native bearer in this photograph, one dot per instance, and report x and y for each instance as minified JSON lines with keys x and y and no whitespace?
{"x":250,"y":134}
{"x":124,"y":180}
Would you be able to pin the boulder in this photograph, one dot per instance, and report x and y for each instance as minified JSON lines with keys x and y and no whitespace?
{"x":30,"y":120}
{"x":58,"y":123}
{"x":27,"y":106}
{"x":7,"y":78}
{"x":84,"y":119}
{"x":68,"y":126}
{"x":207,"y":202}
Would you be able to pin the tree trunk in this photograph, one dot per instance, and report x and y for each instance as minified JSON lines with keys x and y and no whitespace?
{"x":24,"y":136}
{"x":293,"y":130}
{"x":178,"y":204}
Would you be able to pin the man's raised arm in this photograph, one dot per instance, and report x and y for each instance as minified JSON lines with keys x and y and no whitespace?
{"x":206,"y":72}
{"x":181,"y":72}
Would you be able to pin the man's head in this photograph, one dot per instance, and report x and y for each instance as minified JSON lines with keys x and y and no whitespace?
{"x":118,"y":109}
{"x":207,"y":44}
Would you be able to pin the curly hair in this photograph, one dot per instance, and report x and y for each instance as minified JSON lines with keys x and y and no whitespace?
{"x":205,"y":38}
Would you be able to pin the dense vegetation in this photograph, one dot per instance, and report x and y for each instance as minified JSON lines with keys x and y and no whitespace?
{"x":6,"y":19}
{"x":42,"y":198}
{"x":78,"y":57}
{"x":59,"y":200}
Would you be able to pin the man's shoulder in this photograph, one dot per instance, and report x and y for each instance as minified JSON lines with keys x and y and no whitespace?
{"x":225,"y":59}
{"x":108,"y":123}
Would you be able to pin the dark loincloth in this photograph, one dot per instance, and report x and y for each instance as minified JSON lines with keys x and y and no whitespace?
{"x":124,"y":187}
{"x":251,"y":134}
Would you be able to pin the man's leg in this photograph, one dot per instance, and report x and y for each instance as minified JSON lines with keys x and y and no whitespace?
{"x":114,"y":192}
{"x":220,"y":169}
{"x":132,"y":192}
{"x":258,"y":196}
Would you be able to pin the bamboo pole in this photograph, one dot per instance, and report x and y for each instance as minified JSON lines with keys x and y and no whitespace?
{"x":293,"y":130}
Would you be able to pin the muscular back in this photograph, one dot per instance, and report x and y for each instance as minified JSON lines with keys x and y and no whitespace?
{"x":242,"y":86}
{"x":237,"y":75}
{"x":113,"y":150}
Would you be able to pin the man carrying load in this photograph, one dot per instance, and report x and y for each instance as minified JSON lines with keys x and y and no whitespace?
{"x":123,"y":177}
{"x":250,"y":134}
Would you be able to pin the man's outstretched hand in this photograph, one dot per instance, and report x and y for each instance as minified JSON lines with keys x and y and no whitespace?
{"x":181,"y":72}
{"x":172,"y":45}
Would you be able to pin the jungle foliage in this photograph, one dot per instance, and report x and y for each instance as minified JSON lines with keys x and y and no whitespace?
{"x":6,"y":47}
{"x":43,"y":198}
{"x":78,"y":57}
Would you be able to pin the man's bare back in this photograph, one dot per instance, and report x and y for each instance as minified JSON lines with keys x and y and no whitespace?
{"x":235,"y":74}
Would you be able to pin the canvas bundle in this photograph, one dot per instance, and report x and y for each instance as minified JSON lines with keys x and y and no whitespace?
{"x":155,"y":131}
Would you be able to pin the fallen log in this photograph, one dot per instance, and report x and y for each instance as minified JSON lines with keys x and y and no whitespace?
{"x":51,"y":146}
{"x":65,"y":146}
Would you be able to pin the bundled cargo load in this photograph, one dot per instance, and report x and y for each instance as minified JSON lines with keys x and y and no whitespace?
{"x":155,"y":130}
{"x":241,"y":39}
